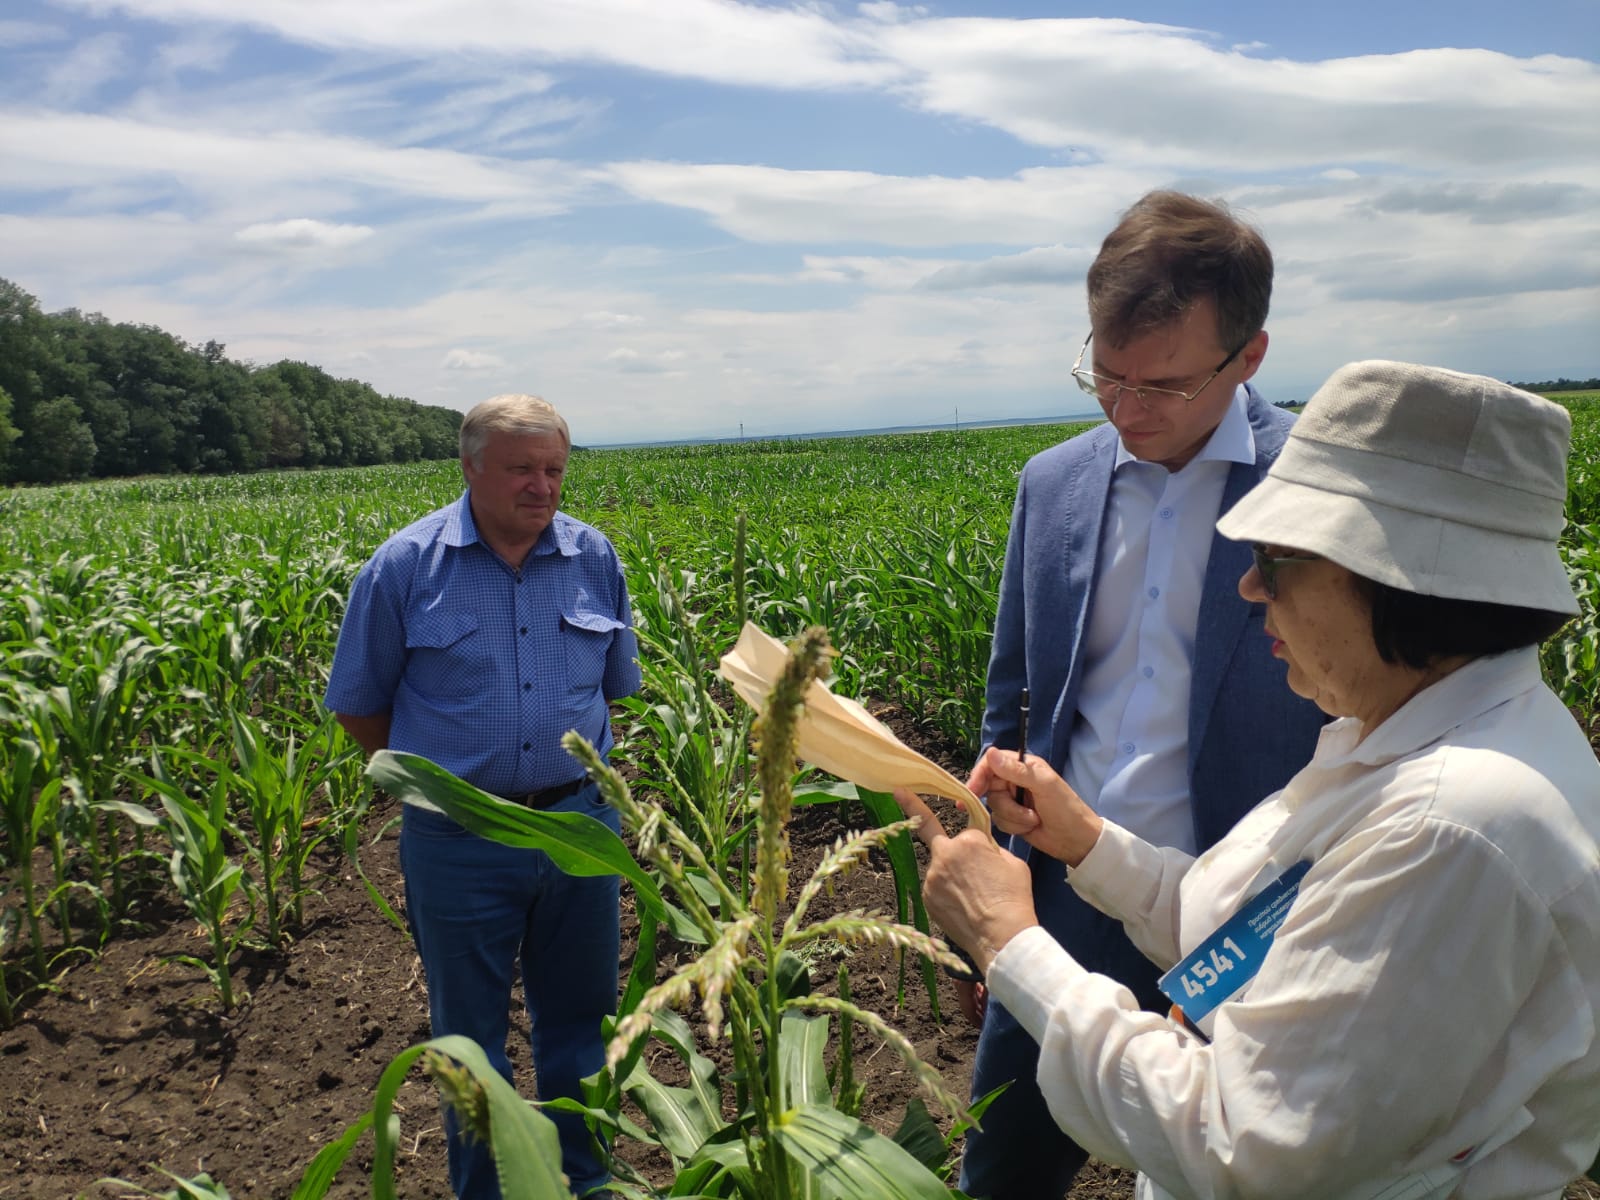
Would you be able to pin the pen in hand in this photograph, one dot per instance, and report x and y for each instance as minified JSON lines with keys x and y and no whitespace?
{"x":1022,"y":741}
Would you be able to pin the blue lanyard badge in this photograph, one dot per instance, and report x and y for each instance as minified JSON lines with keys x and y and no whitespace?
{"x":1219,"y":967}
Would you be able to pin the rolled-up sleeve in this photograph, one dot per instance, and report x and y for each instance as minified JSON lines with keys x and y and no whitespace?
{"x":370,"y":658}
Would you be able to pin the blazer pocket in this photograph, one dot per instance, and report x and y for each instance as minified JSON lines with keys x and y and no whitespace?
{"x":586,"y":638}
{"x":446,"y":655}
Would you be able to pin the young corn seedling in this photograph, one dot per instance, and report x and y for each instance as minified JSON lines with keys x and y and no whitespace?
{"x":206,"y":877}
{"x":277,"y":785}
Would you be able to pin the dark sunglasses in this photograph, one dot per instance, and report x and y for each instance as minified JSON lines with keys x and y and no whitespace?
{"x":1267,"y":565}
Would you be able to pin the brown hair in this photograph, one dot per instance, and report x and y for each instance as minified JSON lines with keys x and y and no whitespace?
{"x":1168,"y":251}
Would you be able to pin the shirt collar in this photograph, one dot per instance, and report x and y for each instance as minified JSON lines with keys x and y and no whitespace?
{"x":559,"y":537}
{"x":459,"y":527}
{"x":1466,"y":693}
{"x":1232,"y":441}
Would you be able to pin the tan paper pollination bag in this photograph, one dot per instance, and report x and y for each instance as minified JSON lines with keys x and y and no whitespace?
{"x":839,"y":735}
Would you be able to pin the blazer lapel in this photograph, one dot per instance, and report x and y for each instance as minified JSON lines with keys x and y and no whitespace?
{"x":1222,"y":618}
{"x":1082,"y":516}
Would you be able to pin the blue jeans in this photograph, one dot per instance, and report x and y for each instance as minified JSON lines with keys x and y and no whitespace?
{"x":479,"y":910}
{"x":1021,"y":1153}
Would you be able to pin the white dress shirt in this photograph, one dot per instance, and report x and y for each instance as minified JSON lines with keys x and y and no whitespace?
{"x":1129,"y":753}
{"x":1424,"y":1024}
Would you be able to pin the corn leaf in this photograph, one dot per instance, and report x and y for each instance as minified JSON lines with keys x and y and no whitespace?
{"x":801,"y":1043}
{"x":575,"y":842}
{"x":683,"y":1117}
{"x":847,"y":1160}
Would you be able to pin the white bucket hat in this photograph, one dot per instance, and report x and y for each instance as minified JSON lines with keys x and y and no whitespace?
{"x":1428,"y":480}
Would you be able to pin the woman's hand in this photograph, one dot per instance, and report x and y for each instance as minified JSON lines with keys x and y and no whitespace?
{"x":981,"y":895}
{"x":1054,"y":818}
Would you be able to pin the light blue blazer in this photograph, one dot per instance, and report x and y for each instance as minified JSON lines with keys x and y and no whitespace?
{"x":1248,"y":733}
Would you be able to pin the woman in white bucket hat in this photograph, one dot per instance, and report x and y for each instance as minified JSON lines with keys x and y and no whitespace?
{"x":1386,"y":978}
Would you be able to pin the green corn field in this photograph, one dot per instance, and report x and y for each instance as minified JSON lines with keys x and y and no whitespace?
{"x":164,"y":645}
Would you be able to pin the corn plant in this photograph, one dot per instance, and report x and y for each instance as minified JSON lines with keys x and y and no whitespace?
{"x":100,"y":711}
{"x":277,"y":787}
{"x":1571,"y":659}
{"x":200,"y":1187}
{"x":36,"y":817}
{"x":775,"y":1131}
{"x":206,"y":876}
{"x":527,"y":1148}
{"x":785,"y":1136}
{"x":26,"y":808}
{"x":689,"y":748}
{"x":941,"y":584}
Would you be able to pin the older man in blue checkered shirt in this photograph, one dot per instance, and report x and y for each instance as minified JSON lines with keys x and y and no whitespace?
{"x":477,"y":637}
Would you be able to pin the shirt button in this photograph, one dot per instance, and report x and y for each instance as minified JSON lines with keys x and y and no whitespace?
{"x":527,"y":687}
{"x":1166,"y":514}
{"x":523,"y":631}
{"x":1154,"y":592}
{"x":1149,"y":672}
{"x":1127,"y":747}
{"x":527,"y":745}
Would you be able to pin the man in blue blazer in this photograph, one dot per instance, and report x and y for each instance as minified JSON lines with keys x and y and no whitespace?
{"x":1153,"y":688}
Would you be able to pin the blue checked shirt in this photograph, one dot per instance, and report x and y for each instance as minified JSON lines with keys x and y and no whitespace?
{"x":483,"y":668}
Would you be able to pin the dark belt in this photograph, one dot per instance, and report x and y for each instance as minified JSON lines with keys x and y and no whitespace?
{"x":546,"y":797}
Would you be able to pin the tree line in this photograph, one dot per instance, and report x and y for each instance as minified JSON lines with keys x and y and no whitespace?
{"x":1561,"y":385}
{"x":82,"y":398}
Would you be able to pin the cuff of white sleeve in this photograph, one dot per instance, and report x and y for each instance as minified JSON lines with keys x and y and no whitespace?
{"x":1029,"y":975}
{"x":1108,"y":877}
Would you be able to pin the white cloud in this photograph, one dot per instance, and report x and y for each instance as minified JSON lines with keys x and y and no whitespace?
{"x":659,"y":362}
{"x":457,"y":359}
{"x":611,"y":320}
{"x":896,"y":273}
{"x":716,"y":40}
{"x":303,"y":233}
{"x":206,"y":52}
{"x":889,"y":12}
{"x":48,"y":150}
{"x":84,"y":70}
{"x":768,"y":204}
{"x":1182,"y":101}
{"x":1053,"y":265}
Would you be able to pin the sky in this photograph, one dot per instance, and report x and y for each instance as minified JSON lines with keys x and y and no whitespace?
{"x":681,"y":219}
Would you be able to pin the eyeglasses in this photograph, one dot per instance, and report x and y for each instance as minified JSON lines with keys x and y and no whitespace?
{"x":1267,"y":565}
{"x":1107,"y":390}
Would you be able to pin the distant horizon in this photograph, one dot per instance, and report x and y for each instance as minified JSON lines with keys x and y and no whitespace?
{"x":821,"y":435}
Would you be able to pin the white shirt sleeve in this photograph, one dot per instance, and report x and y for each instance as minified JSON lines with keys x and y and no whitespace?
{"x":1350,"y":1055}
{"x":1136,"y":883}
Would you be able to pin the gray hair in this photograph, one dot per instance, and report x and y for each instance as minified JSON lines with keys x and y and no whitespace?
{"x":512,"y":413}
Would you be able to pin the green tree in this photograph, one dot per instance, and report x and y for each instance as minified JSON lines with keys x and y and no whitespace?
{"x":140,"y":401}
{"x":58,"y":444}
{"x":8,"y":432}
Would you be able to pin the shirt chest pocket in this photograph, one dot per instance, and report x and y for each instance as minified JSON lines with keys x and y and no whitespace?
{"x":586,"y":638}
{"x":447,"y":657}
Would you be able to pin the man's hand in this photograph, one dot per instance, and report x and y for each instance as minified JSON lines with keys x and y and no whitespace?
{"x":981,"y":895}
{"x":1055,"y":820}
{"x":973,"y":998}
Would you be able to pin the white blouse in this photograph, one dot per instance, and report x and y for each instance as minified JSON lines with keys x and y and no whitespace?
{"x":1424,"y":1023}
